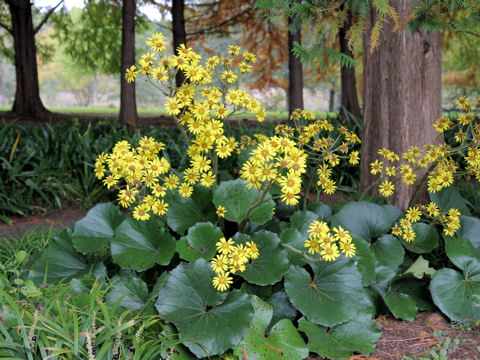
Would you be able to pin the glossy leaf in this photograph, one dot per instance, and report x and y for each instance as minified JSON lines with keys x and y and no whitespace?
{"x":200,"y":242}
{"x":388,"y":251}
{"x":426,"y":239}
{"x":132,"y":291}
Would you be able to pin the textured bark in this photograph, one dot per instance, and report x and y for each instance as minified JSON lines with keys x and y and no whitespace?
{"x":402,"y":95}
{"x":295,"y":76}
{"x":27,"y":94}
{"x":128,"y":103}
{"x":179,"y":33}
{"x":331,"y":98}
{"x":347,"y":75}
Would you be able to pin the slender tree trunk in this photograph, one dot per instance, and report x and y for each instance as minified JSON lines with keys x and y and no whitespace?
{"x":295,"y":76}
{"x":402,"y":95}
{"x":347,"y":74}
{"x":179,"y":33}
{"x":27,"y":94}
{"x":331,"y":98}
{"x":128,"y":104}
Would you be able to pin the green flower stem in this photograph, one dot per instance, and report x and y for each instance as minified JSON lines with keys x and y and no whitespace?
{"x":421,"y":184}
{"x":241,"y":226}
{"x":303,"y":253}
{"x":307,"y":189}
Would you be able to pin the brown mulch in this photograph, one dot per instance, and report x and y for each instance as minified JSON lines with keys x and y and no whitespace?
{"x":58,"y":219}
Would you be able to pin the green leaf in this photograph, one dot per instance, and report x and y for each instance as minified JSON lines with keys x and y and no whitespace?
{"x":401,"y":305}
{"x":59,"y":261}
{"x":283,"y":341}
{"x":282,"y":307}
{"x":416,"y":288}
{"x":295,"y":239}
{"x":132,"y":291}
{"x":301,"y":220}
{"x":357,"y":335}
{"x":364,"y":219}
{"x":383,"y":275}
{"x":420,"y":268}
{"x":237,"y":199}
{"x":449,"y":198}
{"x":388,"y":251}
{"x":462,"y":253}
{"x":183,"y":213}
{"x":333,"y":296}
{"x":470,"y":229}
{"x":97,"y":228}
{"x":323,"y":211}
{"x":139,"y":245}
{"x":366,"y":260}
{"x":426,"y":239}
{"x":272,"y":262}
{"x":205,"y":318}
{"x":455,"y":295}
{"x":200,"y":242}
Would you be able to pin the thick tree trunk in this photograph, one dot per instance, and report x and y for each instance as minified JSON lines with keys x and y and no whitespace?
{"x":179,"y":33}
{"x":295,"y":76}
{"x":128,"y":103}
{"x":347,"y":74}
{"x":402,"y":95}
{"x":27,"y":94}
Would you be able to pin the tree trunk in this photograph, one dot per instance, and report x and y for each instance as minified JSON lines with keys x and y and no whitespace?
{"x":128,"y":104}
{"x":179,"y":33}
{"x":347,"y":75}
{"x":27,"y":94}
{"x":295,"y":76}
{"x":402,"y":95}
{"x":331,"y":98}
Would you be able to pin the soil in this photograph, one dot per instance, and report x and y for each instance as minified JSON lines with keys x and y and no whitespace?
{"x":424,"y":338}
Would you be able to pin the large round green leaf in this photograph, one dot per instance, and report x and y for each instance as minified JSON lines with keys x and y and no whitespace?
{"x":323,"y":211}
{"x":282,"y":307}
{"x":59,"y":261}
{"x":183,"y":213}
{"x":401,"y":305}
{"x":138,"y":245}
{"x":209,"y":322}
{"x":455,"y":295}
{"x":449,"y":198}
{"x":415,"y":287}
{"x":200,"y":242}
{"x":271,"y":264}
{"x":131,"y":291}
{"x":236,"y":198}
{"x":426,"y":239}
{"x":301,"y":221}
{"x":334,"y":295}
{"x":295,"y":239}
{"x":366,"y":260}
{"x":470,"y":229}
{"x":283,"y":341}
{"x":462,"y":253}
{"x":364,"y":219}
{"x":357,"y":335}
{"x":388,"y":251}
{"x":96,"y":228}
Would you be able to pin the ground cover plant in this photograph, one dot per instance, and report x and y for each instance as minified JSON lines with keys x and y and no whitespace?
{"x":245,"y":265}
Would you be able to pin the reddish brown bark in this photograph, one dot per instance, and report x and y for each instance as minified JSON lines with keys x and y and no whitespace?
{"x":295,"y":76}
{"x":128,"y":103}
{"x":402,"y":95}
{"x":27,"y":94}
{"x":179,"y":33}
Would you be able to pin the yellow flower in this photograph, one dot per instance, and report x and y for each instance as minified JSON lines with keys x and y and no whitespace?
{"x":376,"y":167}
{"x":130,"y":74}
{"x":354,"y":158}
{"x":341,"y":234}
{"x":225,"y":246}
{"x":185,"y":190}
{"x":171,"y":182}
{"x":313,"y":245}
{"x":408,"y":234}
{"x":252,"y":250}
{"x":222,"y":281}
{"x":432,"y":209}
{"x":219,"y":263}
{"x":160,"y":207}
{"x":172,"y":106}
{"x":413,"y":214}
{"x":221,"y":211}
{"x":141,"y":212}
{"x":348,"y":248}
{"x":330,"y":252}
{"x":387,"y":188}
{"x":208,"y":179}
{"x":229,"y":76}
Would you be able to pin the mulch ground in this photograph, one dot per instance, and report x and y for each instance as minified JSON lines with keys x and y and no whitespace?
{"x":419,"y":339}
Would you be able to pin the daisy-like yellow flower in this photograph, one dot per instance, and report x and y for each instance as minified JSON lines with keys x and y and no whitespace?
{"x":141,"y":212}
{"x":208,"y":179}
{"x":318,"y":229}
{"x":225,"y":246}
{"x":413,"y":214}
{"x":348,"y":248}
{"x":354,"y":158}
{"x":172,"y":106}
{"x":185,"y":190}
{"x":340,"y":234}
{"x":313,"y":245}
{"x":110,"y":181}
{"x":387,"y":188}
{"x":376,"y":167}
{"x":432,"y":209}
{"x":229,"y":76}
{"x":160,"y":207}
{"x":222,"y":281}
{"x":221,"y":211}
{"x":408,"y":234}
{"x":220,"y":263}
{"x":130,"y":74}
{"x":252,"y":250}
{"x":330,"y":252}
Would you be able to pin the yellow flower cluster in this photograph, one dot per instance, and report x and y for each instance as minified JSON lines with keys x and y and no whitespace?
{"x":282,"y":158}
{"x":437,"y":158}
{"x":322,"y":241}
{"x":144,"y":173}
{"x":450,"y":221}
{"x":231,"y":258}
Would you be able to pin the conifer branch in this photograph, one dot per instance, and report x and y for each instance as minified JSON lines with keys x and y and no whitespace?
{"x":49,"y":13}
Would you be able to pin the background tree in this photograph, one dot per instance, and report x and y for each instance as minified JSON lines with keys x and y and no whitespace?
{"x":20,"y":26}
{"x":295,"y":74}
{"x":179,"y":33}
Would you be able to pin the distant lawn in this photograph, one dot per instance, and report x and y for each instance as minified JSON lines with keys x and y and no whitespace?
{"x":112,"y":111}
